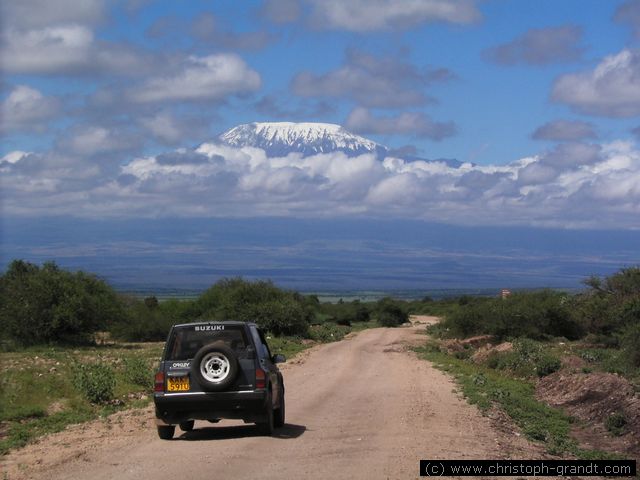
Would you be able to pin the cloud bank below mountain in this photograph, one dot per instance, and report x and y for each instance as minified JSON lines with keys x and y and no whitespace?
{"x":575,"y":185}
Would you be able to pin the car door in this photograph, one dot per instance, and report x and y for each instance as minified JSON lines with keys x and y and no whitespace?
{"x":265,"y":359}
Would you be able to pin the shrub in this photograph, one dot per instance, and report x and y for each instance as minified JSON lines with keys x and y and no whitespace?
{"x":96,"y":381}
{"x":535,"y":315}
{"x":137,"y":372}
{"x":616,"y":423}
{"x":631,"y":344}
{"x":528,"y":358}
{"x":390,"y":313}
{"x":547,"y":364}
{"x":282,"y":317}
{"x":40,"y":305}
{"x":328,"y":332}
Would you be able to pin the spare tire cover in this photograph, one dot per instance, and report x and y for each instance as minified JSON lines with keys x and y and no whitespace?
{"x":215,"y":367}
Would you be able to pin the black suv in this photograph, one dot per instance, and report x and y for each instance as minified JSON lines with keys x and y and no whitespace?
{"x":215,"y":370}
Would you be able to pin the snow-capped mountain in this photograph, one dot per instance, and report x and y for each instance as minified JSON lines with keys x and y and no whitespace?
{"x":278,"y":139}
{"x":281,"y":138}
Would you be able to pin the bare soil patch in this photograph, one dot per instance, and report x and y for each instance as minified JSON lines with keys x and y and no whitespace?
{"x":592,"y":398}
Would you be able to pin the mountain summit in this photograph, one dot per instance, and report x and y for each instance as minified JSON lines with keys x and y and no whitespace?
{"x":281,"y":138}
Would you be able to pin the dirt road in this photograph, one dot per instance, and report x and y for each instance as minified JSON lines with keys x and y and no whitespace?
{"x":362,"y":408}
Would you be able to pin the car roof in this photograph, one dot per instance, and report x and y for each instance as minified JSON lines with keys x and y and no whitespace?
{"x":214,"y":322}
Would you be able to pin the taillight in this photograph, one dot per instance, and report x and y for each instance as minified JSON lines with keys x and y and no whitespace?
{"x":158,"y":385}
{"x":261,"y":378}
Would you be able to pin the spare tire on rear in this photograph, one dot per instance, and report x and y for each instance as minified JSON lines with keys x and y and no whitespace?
{"x":215,"y":367}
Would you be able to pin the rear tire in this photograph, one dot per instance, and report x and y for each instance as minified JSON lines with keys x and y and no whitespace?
{"x":165,"y":432}
{"x":187,"y":426}
{"x":266,"y":427}
{"x":278,"y":419}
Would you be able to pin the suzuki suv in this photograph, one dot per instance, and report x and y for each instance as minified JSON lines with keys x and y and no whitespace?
{"x":215,"y":370}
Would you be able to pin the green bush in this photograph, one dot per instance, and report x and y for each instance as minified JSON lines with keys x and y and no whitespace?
{"x":282,"y":317}
{"x":96,"y":381}
{"x":547,"y":364}
{"x":138,"y":372}
{"x":328,"y":332}
{"x":528,"y":358}
{"x":536,"y":315}
{"x":631,"y":345}
{"x":41,"y":305}
{"x":390,"y":313}
{"x":616,"y":424}
{"x":278,"y":311}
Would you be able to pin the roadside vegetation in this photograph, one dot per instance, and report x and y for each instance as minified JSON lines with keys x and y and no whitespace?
{"x":555,"y":363}
{"x":73,"y":349}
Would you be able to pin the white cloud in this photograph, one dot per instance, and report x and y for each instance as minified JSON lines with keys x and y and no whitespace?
{"x":629,"y":13}
{"x":201,"y":78}
{"x":376,"y":82}
{"x":370,"y":15}
{"x":43,"y":13}
{"x":564,"y":130}
{"x":573,"y":185}
{"x":96,"y":140}
{"x":169,"y":130}
{"x":540,"y":46}
{"x":46,"y":50}
{"x":361,"y":120}
{"x":69,"y":49}
{"x":26,"y":108}
{"x":612,"y":89}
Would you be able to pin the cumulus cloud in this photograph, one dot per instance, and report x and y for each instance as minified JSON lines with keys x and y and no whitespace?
{"x":281,"y":11}
{"x":372,"y":15}
{"x":69,"y":49}
{"x":612,"y":89}
{"x":361,"y":120}
{"x":207,"y":29}
{"x":564,"y":130}
{"x":90,"y":140}
{"x":575,"y":185}
{"x":201,"y":78}
{"x":278,"y":106}
{"x":50,"y":49}
{"x":26,"y":108}
{"x":540,"y":46}
{"x":42,"y":13}
{"x":171,"y":130}
{"x":629,"y":13}
{"x":383,"y":82}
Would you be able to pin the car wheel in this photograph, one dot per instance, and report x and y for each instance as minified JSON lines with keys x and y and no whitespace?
{"x":215,"y":367}
{"x":187,"y":426}
{"x":266,"y":426}
{"x":278,"y":419}
{"x":165,"y":432}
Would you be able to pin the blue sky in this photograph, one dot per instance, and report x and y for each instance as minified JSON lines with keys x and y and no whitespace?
{"x":541,"y":99}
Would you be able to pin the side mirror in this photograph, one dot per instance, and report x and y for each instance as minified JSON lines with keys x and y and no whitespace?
{"x":279,"y":358}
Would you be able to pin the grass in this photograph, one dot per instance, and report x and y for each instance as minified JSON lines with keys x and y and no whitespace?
{"x":37,"y":394}
{"x":287,"y":346}
{"x":486,"y":387}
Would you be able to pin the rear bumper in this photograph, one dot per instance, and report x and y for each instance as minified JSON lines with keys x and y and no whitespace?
{"x":173,"y":408}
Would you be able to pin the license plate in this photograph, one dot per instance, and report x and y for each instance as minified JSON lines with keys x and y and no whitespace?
{"x":178,"y":384}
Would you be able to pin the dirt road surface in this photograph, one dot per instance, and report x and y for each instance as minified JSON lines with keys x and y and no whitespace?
{"x":362,"y":408}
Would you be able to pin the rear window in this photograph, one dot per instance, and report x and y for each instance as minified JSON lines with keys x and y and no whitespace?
{"x":186,"y":341}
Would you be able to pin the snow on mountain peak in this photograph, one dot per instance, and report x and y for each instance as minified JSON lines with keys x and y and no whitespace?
{"x":281,"y":138}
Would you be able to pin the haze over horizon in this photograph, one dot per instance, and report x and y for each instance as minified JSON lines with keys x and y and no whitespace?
{"x":437,"y":144}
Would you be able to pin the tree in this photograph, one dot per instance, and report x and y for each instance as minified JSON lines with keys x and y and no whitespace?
{"x":390,"y":313}
{"x":41,"y":305}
